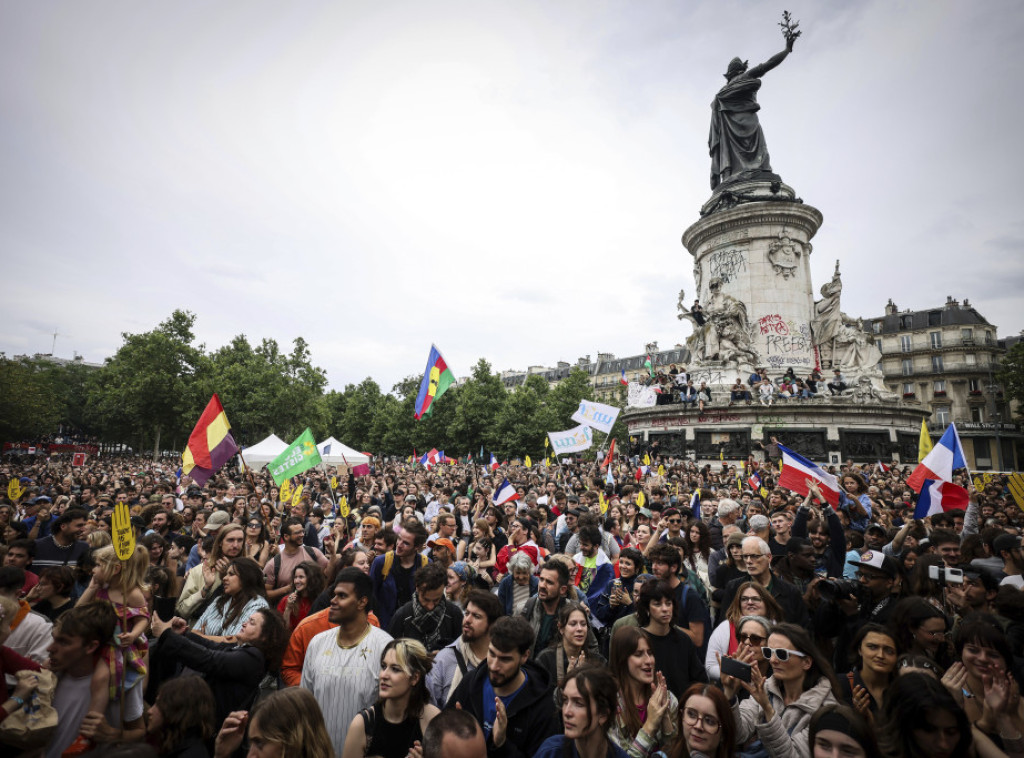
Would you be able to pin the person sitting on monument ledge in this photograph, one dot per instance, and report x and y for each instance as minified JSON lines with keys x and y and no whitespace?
{"x":838,"y":383}
{"x":688,"y":394}
{"x":703,"y":396}
{"x":738,"y":393}
{"x":697,"y":311}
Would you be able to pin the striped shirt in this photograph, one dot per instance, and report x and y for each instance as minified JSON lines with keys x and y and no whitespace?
{"x":343,"y":680}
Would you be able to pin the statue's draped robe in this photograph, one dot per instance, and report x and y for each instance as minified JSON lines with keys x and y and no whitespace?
{"x":736,"y":142}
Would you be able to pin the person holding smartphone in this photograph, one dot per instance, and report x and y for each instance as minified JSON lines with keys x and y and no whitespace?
{"x":777,"y":715}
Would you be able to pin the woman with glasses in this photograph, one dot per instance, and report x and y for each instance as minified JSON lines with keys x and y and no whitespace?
{"x":709,"y":729}
{"x":645,"y":720}
{"x":257,"y":540}
{"x":875,"y":654}
{"x":751,"y":599}
{"x":777,"y":714}
{"x":920,"y":629}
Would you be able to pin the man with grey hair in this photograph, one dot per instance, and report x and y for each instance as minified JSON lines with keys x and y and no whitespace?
{"x":759,"y":526}
{"x":717,"y":557}
{"x":757,"y":562}
{"x":728,"y":513}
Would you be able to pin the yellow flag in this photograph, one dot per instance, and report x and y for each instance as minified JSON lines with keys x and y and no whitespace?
{"x":334,"y":482}
{"x":647,"y":459}
{"x":547,"y":462}
{"x":343,"y":506}
{"x":546,"y":441}
{"x":661,"y":470}
{"x":284,"y":493}
{"x":122,"y":532}
{"x":924,"y":443}
{"x":528,"y":463}
{"x":297,"y":496}
{"x":641,"y":500}
{"x":14,"y":490}
{"x":1016,"y":485}
{"x":602,"y":502}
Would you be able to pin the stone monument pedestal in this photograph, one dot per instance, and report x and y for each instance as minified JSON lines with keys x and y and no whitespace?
{"x":755,"y":257}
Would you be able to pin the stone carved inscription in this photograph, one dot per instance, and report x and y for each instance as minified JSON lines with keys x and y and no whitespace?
{"x":727,"y":264}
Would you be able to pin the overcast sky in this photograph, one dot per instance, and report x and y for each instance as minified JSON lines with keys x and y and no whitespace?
{"x":509,"y":180}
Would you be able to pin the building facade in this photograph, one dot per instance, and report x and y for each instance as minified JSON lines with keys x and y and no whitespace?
{"x":947,"y":358}
{"x":606,"y":372}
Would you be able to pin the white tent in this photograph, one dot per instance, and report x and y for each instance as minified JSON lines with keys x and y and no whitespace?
{"x":264,"y":452}
{"x":340,"y":454}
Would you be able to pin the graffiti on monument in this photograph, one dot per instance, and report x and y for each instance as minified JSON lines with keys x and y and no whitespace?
{"x":707,"y":376}
{"x":727,"y":264}
{"x":810,"y":444}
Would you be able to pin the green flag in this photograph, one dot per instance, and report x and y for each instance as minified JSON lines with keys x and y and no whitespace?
{"x":300,"y":455}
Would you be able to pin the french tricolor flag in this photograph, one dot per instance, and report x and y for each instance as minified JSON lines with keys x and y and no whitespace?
{"x":939,"y":464}
{"x":796,"y":470}
{"x":504,"y":493}
{"x":494,"y":463}
{"x":939,"y":497}
{"x":622,"y":379}
{"x":882,"y":467}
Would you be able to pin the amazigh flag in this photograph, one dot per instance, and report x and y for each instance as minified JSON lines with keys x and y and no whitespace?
{"x":436,"y":379}
{"x":297,"y":457}
{"x":210,"y":445}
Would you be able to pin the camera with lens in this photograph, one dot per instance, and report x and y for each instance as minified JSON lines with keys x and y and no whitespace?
{"x":835,"y":590}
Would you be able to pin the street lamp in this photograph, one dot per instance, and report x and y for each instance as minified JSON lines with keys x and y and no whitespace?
{"x":997,"y":417}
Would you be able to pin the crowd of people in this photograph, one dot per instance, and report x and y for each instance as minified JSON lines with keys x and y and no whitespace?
{"x":676,"y":385}
{"x":598,"y":613}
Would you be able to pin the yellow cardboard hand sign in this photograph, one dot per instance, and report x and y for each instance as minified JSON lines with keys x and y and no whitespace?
{"x":122,"y":532}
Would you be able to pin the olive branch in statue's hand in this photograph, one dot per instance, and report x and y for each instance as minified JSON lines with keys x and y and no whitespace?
{"x":790,"y":29}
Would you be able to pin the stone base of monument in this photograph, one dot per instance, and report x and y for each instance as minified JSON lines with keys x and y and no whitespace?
{"x":827,"y":429}
{"x":734,"y":193}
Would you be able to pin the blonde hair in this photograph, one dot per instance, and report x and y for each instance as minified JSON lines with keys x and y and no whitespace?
{"x":292,"y":718}
{"x":98,"y":539}
{"x":10,"y":608}
{"x":134,"y":569}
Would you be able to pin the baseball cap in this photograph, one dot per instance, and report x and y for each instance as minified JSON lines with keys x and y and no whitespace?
{"x":644,"y":512}
{"x":877,"y":560}
{"x":442,"y":542}
{"x":217,"y":520}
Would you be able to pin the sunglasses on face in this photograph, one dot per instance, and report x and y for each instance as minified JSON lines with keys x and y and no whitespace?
{"x":780,"y":653}
{"x":753,"y":639}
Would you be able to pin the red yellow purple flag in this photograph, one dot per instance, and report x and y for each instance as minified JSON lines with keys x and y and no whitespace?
{"x":210,"y":445}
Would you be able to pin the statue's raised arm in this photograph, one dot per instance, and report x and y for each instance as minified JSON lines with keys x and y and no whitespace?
{"x":736,"y":142}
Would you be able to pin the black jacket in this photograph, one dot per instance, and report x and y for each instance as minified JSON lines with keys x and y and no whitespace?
{"x":402,"y":625}
{"x":532,"y":717}
{"x":234,"y":672}
{"x":834,"y":558}
{"x":794,"y":609}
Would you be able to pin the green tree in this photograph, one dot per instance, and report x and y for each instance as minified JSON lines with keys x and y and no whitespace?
{"x":151,"y":383}
{"x":364,"y":400}
{"x":29,"y":406}
{"x":480,"y":401}
{"x":1011,"y":376}
{"x":520,"y":422}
